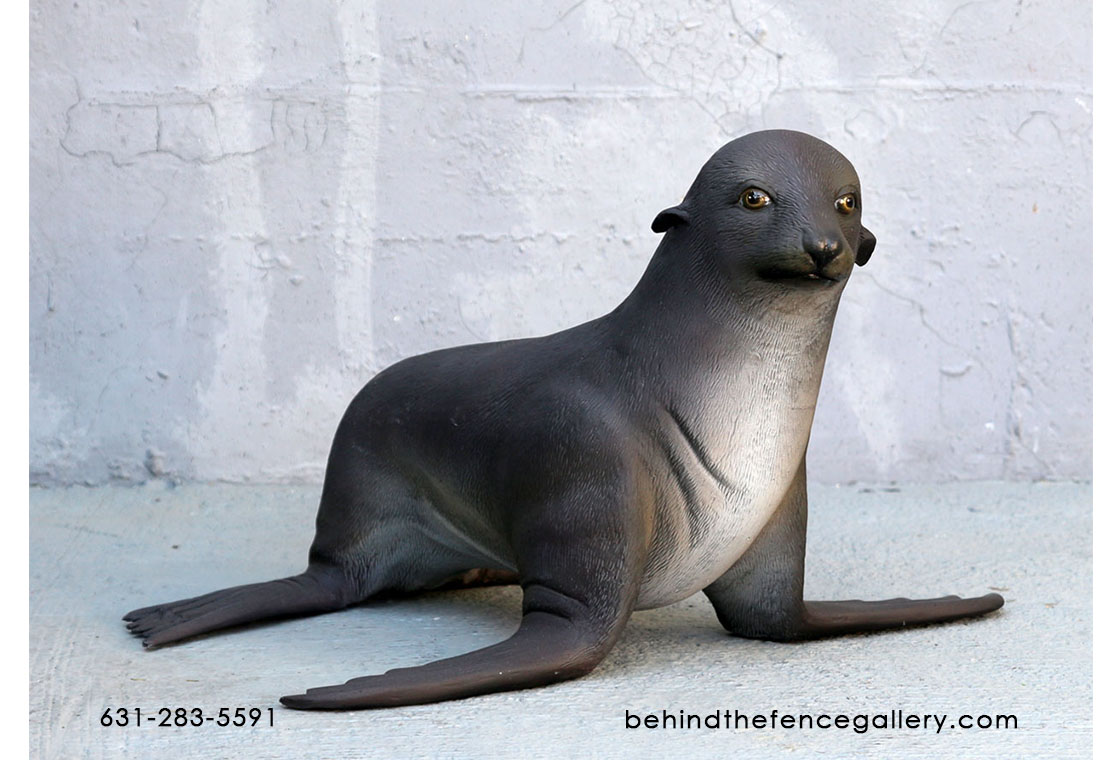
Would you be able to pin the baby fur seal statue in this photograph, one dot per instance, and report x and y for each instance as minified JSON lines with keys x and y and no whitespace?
{"x":622,"y":464}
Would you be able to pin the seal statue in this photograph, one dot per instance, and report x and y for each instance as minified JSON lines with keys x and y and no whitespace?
{"x":622,"y":464}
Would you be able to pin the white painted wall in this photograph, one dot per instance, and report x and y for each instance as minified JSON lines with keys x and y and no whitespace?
{"x":240,"y":211}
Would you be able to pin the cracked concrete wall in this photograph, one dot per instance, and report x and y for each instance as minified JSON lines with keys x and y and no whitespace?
{"x":241,"y":211}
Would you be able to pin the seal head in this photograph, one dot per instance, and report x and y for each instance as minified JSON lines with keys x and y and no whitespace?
{"x":779,"y":206}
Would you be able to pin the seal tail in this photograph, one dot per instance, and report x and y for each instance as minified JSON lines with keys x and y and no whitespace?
{"x":547,"y":648}
{"x":320,"y":588}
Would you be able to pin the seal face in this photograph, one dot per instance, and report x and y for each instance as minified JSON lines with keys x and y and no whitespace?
{"x":778,"y":213}
{"x":624,"y":463}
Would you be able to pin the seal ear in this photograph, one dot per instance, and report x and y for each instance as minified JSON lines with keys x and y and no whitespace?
{"x":670,"y":217}
{"x":866,"y":245}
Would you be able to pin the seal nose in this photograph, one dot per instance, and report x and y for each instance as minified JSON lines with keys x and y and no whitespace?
{"x":823,"y":248}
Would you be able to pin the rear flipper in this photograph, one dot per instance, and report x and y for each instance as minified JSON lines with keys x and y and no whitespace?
{"x":320,"y":589}
{"x":760,"y":597}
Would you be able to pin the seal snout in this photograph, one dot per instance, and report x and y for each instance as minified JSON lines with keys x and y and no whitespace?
{"x":823,"y":250}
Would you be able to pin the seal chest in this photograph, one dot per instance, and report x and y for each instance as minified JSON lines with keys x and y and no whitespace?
{"x":733,"y":449}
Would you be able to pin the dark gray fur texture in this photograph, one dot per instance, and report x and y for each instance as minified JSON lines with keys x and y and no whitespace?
{"x":625,"y":463}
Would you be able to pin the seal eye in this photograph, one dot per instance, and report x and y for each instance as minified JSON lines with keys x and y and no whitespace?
{"x":753,"y":198}
{"x":846,"y":204}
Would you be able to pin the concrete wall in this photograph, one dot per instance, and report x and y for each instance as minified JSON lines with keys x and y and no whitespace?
{"x":242,"y":210}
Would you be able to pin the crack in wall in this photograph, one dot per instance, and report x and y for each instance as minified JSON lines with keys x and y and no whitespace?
{"x":128,"y":132}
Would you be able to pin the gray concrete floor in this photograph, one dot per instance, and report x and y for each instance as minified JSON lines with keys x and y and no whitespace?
{"x":97,"y":553}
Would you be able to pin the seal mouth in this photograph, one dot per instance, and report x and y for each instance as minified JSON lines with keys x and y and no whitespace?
{"x":816,"y":277}
{"x":792,"y":269}
{"x":819,"y":276}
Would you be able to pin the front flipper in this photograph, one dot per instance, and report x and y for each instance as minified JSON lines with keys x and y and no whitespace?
{"x":761,"y":596}
{"x":579,"y":537}
{"x":556,"y":641}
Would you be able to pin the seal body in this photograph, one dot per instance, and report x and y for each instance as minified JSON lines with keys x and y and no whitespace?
{"x":625,"y":463}
{"x":443,"y":502}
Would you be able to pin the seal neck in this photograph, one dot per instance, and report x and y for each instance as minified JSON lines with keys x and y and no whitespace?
{"x":684,"y":304}
{"x":736,"y":366}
